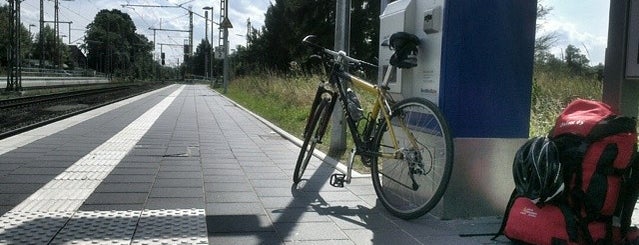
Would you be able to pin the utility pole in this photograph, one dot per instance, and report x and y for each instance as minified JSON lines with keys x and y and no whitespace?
{"x":225,"y":25}
{"x":14,"y":74}
{"x":189,"y":52}
{"x":220,"y":42}
{"x":382,"y":6}
{"x":206,"y":39}
{"x":190,"y":32}
{"x":620,"y":86}
{"x":342,"y":40}
{"x":56,"y":22}
{"x":210,"y":53}
{"x":206,"y":25}
{"x":170,"y":30}
{"x":248,"y":31}
{"x":56,"y":30}
{"x":61,"y":22}
{"x":190,"y":55}
{"x":41,"y":34}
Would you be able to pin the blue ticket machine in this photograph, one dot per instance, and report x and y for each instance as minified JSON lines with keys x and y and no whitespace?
{"x":475,"y":62}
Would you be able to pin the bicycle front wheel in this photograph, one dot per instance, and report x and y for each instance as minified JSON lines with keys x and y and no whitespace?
{"x":412,"y":173}
{"x":313,"y":134}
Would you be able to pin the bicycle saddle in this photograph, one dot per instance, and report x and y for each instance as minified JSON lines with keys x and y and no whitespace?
{"x":405,"y":46}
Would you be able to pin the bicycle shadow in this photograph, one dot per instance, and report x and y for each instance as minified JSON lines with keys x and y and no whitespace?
{"x":317,"y":205}
{"x":359,"y":215}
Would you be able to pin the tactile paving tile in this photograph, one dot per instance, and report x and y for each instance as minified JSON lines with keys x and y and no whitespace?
{"x":99,"y":227}
{"x":82,"y":176}
{"x":46,"y":212}
{"x":31,"y":227}
{"x":172,"y":226}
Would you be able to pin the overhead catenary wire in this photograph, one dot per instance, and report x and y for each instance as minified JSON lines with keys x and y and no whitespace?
{"x":81,"y":13}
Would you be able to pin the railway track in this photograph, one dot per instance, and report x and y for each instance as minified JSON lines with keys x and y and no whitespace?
{"x":47,"y":98}
{"x":21,"y":114}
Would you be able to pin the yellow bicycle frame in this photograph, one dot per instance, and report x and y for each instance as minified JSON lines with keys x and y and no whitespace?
{"x":382,"y":106}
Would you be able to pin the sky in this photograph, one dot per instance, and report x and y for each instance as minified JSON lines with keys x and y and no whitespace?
{"x":82,"y":12}
{"x":582,"y":23}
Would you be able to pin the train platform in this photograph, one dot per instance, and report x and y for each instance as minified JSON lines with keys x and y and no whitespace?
{"x":185,"y":165}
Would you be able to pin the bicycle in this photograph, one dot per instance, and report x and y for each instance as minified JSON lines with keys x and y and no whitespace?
{"x":406,"y":144}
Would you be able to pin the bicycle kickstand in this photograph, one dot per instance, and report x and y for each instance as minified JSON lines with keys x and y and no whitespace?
{"x":338,"y":180}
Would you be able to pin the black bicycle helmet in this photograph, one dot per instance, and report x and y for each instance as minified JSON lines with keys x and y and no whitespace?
{"x":537,"y":170}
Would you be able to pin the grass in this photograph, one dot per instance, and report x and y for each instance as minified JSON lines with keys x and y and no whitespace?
{"x":552,"y":91}
{"x":286,"y":100}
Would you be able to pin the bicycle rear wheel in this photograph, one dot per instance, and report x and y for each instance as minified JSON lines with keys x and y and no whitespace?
{"x":313,"y":134}
{"x":412,"y":182}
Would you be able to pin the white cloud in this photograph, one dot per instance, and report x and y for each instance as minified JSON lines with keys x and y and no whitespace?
{"x":591,"y":45}
{"x":582,"y":23}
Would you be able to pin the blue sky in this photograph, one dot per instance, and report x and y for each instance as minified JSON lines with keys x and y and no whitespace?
{"x":583,"y":23}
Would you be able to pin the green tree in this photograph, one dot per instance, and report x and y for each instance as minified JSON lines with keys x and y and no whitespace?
{"x":286,"y":22}
{"x":543,"y":43}
{"x":365,"y":30}
{"x":278,"y":35}
{"x":198,"y":59}
{"x":113,"y":46}
{"x":50,"y":48}
{"x":575,"y":60}
{"x":25,"y":41}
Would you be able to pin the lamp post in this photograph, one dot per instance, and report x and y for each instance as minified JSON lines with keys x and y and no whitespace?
{"x":206,"y":37}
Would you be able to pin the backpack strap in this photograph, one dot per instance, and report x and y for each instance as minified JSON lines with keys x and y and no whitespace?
{"x":511,"y":201}
{"x":612,"y":125}
{"x":572,"y":223}
{"x":629,"y":193}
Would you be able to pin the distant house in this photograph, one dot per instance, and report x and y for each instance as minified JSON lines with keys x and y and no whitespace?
{"x":77,"y":59}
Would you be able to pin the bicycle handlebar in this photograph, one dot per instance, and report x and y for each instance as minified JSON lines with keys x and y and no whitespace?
{"x":340,"y":56}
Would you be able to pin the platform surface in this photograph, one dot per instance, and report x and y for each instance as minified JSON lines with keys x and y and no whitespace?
{"x":185,"y":165}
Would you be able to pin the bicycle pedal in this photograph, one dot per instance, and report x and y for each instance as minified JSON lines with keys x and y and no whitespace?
{"x":337,"y":180}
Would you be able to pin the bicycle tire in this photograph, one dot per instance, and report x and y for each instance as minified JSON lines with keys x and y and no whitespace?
{"x":312,"y":134}
{"x":410,"y":192}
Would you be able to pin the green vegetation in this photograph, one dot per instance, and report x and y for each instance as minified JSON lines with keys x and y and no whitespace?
{"x":286,"y":100}
{"x":553,"y":89}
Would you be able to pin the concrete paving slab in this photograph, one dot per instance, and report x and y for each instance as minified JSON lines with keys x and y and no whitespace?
{"x":175,"y":202}
{"x":177,"y":183}
{"x":232,"y":197}
{"x":205,"y":171}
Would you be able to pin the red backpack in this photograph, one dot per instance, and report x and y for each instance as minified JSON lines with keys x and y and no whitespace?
{"x":597,"y":148}
{"x":598,"y":152}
